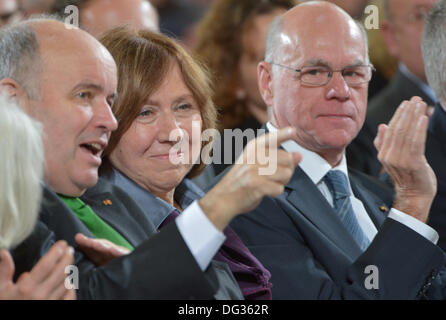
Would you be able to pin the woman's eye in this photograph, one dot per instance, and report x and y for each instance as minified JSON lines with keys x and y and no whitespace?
{"x":84,"y":95}
{"x":185,"y":106}
{"x":145,"y":113}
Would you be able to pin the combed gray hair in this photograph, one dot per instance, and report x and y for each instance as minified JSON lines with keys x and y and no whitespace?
{"x":433,"y":46}
{"x":273,"y":41}
{"x":272,"y":38}
{"x":21,"y":169}
{"x":20,"y":57}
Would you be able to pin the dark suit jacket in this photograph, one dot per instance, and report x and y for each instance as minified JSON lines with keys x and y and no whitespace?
{"x":161,"y":267}
{"x":361,"y":153}
{"x":436,"y":156}
{"x":311,"y":255}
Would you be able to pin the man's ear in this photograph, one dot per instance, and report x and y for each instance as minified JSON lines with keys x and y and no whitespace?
{"x":13,"y":90}
{"x":265,"y":80}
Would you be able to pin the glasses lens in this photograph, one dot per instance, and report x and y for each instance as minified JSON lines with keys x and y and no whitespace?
{"x":357,"y":75}
{"x":315,"y":76}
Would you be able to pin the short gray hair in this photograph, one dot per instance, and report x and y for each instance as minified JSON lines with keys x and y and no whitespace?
{"x":20,"y":57}
{"x":21,"y":169}
{"x":433,"y":46}
{"x":273,"y":40}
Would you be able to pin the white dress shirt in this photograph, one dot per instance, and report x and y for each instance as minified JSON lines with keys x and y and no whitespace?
{"x":315,"y":167}
{"x":200,"y":235}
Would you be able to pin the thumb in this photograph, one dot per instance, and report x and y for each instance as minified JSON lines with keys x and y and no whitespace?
{"x":378,"y":142}
{"x":6,"y":267}
{"x":297,"y":157}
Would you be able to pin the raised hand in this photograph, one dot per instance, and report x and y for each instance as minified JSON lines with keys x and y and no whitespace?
{"x":401,"y":147}
{"x":46,"y":281}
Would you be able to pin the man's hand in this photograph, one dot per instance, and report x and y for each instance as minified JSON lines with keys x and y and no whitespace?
{"x":401,"y":147}
{"x":244,"y":186}
{"x":100,"y":251}
{"x":45,"y":281}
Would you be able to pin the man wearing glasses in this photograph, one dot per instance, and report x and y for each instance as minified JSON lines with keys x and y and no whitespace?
{"x":332,"y":234}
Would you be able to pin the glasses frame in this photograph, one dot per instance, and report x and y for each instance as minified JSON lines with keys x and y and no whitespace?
{"x":330,"y":74}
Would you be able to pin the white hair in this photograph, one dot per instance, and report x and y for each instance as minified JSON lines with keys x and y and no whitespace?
{"x":21,"y":169}
{"x":433,"y":46}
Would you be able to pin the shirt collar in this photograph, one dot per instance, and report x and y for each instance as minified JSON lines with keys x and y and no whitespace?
{"x":314,"y":166}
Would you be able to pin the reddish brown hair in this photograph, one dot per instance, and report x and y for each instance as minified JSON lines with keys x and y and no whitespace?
{"x":143,"y":59}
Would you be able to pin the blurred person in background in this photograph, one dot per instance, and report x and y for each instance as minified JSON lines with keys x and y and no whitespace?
{"x":179,"y":18}
{"x":9,"y":12}
{"x":98,"y":16}
{"x":30,"y":7}
{"x":231,"y":41}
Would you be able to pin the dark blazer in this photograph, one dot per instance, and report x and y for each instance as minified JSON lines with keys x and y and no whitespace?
{"x":436,"y":156}
{"x":361,"y":153}
{"x":311,"y":255}
{"x":27,"y":254}
{"x":152,"y":270}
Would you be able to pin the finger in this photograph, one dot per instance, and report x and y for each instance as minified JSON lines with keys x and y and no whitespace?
{"x":54,"y":285}
{"x":419,"y":140}
{"x":70,"y":295}
{"x":387,"y":138}
{"x":297,"y":158}
{"x":394,"y":140}
{"x":398,"y":113}
{"x":378,"y":142}
{"x":45,"y":266}
{"x":278,"y":137}
{"x":272,"y":189}
{"x":419,"y":111}
{"x":6,"y":267}
{"x":284,"y":158}
{"x":83,"y":240}
{"x":405,"y":129}
{"x":430,"y":111}
{"x":59,"y":292}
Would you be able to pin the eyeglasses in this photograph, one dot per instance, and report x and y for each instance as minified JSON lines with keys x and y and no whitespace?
{"x":317,"y":76}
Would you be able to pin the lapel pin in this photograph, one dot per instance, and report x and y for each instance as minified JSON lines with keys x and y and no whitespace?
{"x":107,"y":202}
{"x":383,"y":208}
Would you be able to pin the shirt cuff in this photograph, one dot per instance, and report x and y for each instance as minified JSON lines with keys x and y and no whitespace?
{"x":200,"y":235}
{"x":414,"y":224}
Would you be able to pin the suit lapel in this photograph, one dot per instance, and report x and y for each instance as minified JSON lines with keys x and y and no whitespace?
{"x":109,"y":209}
{"x":60,"y":219}
{"x":309,"y":201}
{"x":376,"y":209}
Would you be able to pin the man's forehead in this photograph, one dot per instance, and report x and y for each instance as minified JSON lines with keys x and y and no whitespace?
{"x":321,"y":37}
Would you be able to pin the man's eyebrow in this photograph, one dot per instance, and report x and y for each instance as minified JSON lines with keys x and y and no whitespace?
{"x":357,"y":63}
{"x":323,"y":63}
{"x":317,"y":62}
{"x":88,"y":85}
